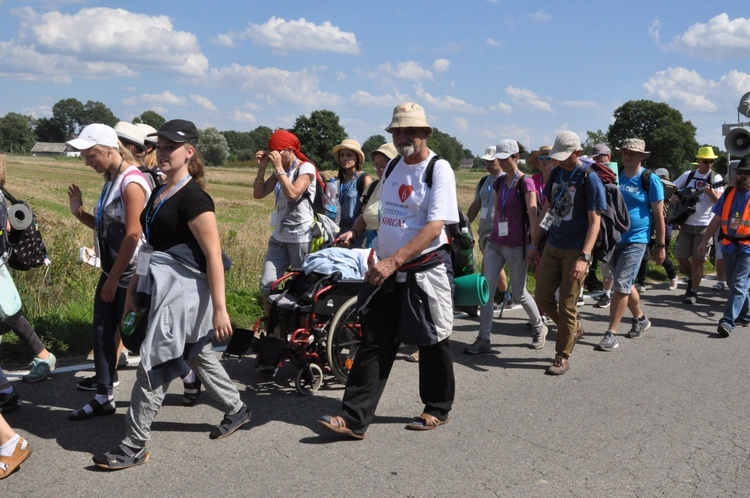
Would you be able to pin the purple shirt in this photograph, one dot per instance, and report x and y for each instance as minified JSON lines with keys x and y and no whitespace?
{"x":510,"y":209}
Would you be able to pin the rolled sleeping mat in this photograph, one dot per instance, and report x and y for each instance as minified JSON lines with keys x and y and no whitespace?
{"x":20,"y":216}
{"x":471,"y":290}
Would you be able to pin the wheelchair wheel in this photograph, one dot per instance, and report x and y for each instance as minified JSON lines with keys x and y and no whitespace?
{"x":344,"y":338}
{"x":309,"y":378}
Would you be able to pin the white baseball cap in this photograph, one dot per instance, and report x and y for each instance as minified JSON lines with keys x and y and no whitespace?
{"x":489,"y":154}
{"x":505,"y":149}
{"x":95,"y":134}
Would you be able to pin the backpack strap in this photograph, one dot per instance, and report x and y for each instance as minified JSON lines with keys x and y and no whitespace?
{"x":390,"y":166}
{"x":482,"y":181}
{"x":646,"y":181}
{"x":8,"y":196}
{"x":361,"y":183}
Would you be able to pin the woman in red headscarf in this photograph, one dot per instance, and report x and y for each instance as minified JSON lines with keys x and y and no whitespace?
{"x":293,"y":184}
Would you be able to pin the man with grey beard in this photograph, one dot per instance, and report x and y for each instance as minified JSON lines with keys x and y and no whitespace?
{"x":732,"y":217}
{"x":408,"y":293}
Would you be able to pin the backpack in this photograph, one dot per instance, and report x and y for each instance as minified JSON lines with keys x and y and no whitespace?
{"x":614,"y":222}
{"x":153,"y":178}
{"x":26,"y":245}
{"x":460,"y":237}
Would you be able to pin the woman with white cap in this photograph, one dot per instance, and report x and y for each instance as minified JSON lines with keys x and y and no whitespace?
{"x":117,"y":238}
{"x":353,"y":182}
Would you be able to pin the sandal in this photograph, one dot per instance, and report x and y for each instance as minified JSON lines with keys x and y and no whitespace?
{"x":9,"y":464}
{"x":425,"y":422}
{"x":122,"y":457}
{"x":96,"y":410}
{"x":231,"y":423}
{"x":337,"y":424}
{"x":192,"y":392}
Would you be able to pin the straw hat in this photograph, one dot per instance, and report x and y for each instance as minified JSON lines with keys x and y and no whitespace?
{"x":352,"y":145}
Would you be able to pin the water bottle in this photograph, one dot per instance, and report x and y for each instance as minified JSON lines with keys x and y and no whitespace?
{"x":331,"y":202}
{"x":130,"y":321}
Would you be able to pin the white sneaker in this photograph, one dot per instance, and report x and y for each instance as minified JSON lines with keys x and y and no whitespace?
{"x":673,"y":283}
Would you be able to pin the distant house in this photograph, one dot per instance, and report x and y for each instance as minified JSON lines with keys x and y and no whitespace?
{"x":466,"y":163}
{"x":49,"y":149}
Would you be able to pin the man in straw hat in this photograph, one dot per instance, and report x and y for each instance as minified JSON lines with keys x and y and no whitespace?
{"x":410,"y":241}
{"x":571,"y":219}
{"x":687,"y":250}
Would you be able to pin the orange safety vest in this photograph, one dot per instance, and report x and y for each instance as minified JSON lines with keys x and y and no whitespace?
{"x":741,"y":225}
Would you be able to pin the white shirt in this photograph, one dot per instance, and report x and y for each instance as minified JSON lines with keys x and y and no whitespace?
{"x":703,"y":215}
{"x":295,"y":227}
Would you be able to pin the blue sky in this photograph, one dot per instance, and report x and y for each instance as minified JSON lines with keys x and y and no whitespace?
{"x":484,"y":70}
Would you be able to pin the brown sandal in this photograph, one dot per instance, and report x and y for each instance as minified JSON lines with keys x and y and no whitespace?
{"x":337,"y":424}
{"x":425,"y":422}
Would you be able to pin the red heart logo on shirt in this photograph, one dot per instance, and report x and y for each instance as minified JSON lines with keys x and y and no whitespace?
{"x":404,"y":191}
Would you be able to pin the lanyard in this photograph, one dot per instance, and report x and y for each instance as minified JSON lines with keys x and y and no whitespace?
{"x":151,"y":214}
{"x":505,"y":191}
{"x":106,"y":190}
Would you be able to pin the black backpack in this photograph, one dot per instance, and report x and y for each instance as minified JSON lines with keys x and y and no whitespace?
{"x":460,"y":238}
{"x":26,"y":245}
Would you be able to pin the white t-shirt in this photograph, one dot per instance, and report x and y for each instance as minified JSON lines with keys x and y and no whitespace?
{"x":295,"y":224}
{"x":703,"y":214}
{"x":408,"y":204}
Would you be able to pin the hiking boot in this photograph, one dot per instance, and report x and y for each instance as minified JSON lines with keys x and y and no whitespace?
{"x":609,"y":343}
{"x":603,"y":302}
{"x":40,"y":369}
{"x":89,"y":384}
{"x":559,"y":367}
{"x":724,"y":329}
{"x":673,"y":283}
{"x":691,"y":297}
{"x":9,"y":401}
{"x":639,"y":327}
{"x":479,"y":346}
{"x":539,"y":336}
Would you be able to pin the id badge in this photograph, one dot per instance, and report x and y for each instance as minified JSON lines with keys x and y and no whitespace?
{"x":144,"y":258}
{"x":97,"y":248}
{"x":546,"y":222}
{"x":734,"y":224}
{"x":502,"y":228}
{"x":484,"y":212}
{"x":274,"y":217}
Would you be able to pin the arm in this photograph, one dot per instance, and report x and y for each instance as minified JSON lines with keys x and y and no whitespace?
{"x":710,"y":232}
{"x":473,"y":210}
{"x":358,"y":228}
{"x":75,"y":199}
{"x":383,"y":269}
{"x":657,"y":211}
{"x":261,"y":186}
{"x":206,"y":232}
{"x":291,"y":191}
{"x":531,"y":208}
{"x":133,"y":198}
{"x":532,"y":253}
{"x":579,"y":269}
{"x":712,"y":194}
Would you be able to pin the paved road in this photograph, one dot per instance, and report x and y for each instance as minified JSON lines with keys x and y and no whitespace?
{"x":667,"y":414}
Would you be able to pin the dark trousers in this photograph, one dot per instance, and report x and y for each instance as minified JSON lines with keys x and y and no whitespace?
{"x":23,"y":329}
{"x":107,"y":317}
{"x":374,"y":360}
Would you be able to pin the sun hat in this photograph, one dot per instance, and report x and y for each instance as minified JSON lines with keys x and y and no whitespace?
{"x":566,"y":143}
{"x":178,"y":130}
{"x":662,"y":172}
{"x":147,"y":130}
{"x":635,"y":145}
{"x":706,"y":153}
{"x":601,"y":150}
{"x":505,"y":149}
{"x":489,"y":154}
{"x":408,"y":115}
{"x":95,"y":134}
{"x":387,"y":149}
{"x":131,"y":133}
{"x":533,"y":158}
{"x":352,"y":145}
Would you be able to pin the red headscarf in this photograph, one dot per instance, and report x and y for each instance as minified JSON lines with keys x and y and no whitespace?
{"x":282,"y":140}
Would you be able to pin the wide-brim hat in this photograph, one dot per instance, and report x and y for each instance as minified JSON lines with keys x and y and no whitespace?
{"x":350,"y":144}
{"x":408,"y":115}
{"x":706,"y":153}
{"x":178,"y":130}
{"x":635,"y":145}
{"x":95,"y":134}
{"x":131,"y":133}
{"x":147,"y":130}
{"x":387,"y":149}
{"x":533,"y":158}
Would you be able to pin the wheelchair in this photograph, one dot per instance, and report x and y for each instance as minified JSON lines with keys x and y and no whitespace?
{"x":313,"y":323}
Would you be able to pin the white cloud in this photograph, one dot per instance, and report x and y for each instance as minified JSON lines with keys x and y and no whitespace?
{"x":502,"y":108}
{"x":366,"y":99}
{"x":461,"y":123}
{"x":540,"y":16}
{"x":103,"y":42}
{"x":579,"y":104}
{"x":494,"y":43}
{"x":409,"y":70}
{"x":527,"y":97}
{"x":690,"y":91}
{"x":203,"y":102}
{"x":274,"y":85}
{"x":441,"y":65}
{"x":242,"y":116}
{"x":720,"y":38}
{"x":653,"y":30}
{"x":295,"y":36}
{"x":446,"y":103}
{"x":150,"y":99}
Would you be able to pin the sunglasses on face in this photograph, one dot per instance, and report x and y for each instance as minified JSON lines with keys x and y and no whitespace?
{"x":706,"y":161}
{"x":545,"y":158}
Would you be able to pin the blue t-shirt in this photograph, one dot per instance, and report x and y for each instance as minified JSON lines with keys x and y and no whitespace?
{"x":577,"y":194}
{"x":639,"y":208}
{"x":351,"y":205}
{"x":738,"y":206}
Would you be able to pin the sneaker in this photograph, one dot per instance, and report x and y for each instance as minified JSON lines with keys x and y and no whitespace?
{"x":609,"y":343}
{"x":640,"y":288}
{"x":581,"y":301}
{"x":89,"y":384}
{"x":673,"y":283}
{"x":691,"y":297}
{"x":539,"y":336}
{"x":719,"y":286}
{"x":479,"y":346}
{"x":9,"y":401}
{"x":724,"y":329}
{"x":603,"y":302}
{"x":40,"y":369}
{"x":639,"y":327}
{"x":547,"y":320}
{"x":559,"y":367}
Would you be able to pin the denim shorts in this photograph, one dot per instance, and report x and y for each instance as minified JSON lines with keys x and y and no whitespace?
{"x":625,"y":262}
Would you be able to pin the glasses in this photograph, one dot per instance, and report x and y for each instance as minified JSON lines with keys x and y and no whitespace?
{"x":706,"y":161}
{"x":545,"y":158}
{"x":408,"y":131}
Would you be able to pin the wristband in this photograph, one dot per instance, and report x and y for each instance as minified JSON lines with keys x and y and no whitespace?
{"x":660,"y":246}
{"x":355,"y":232}
{"x":532,"y":247}
{"x":280,"y":174}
